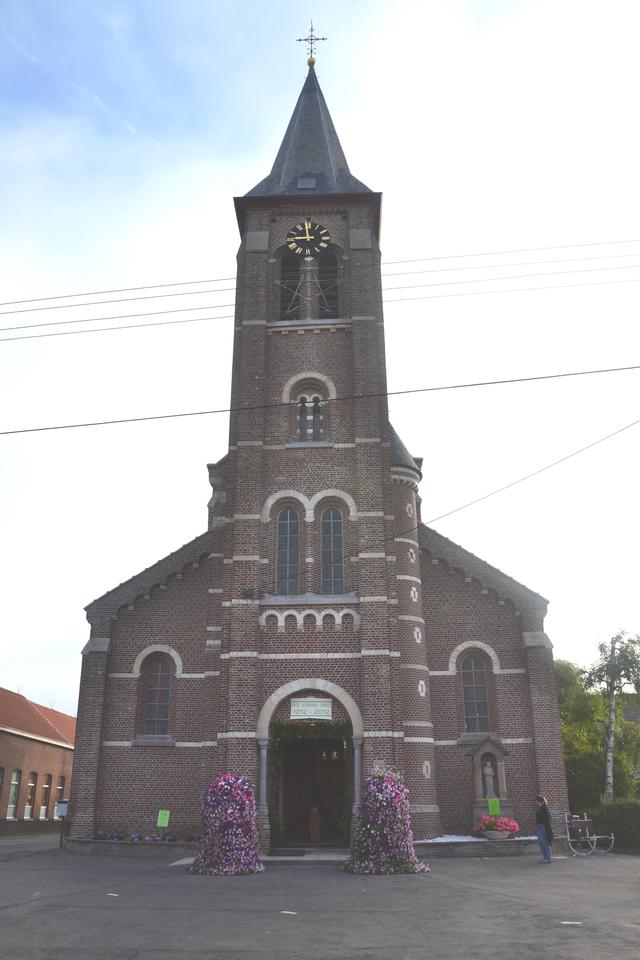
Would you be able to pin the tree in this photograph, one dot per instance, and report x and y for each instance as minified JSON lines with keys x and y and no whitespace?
{"x":617,"y":667}
{"x":584,"y":722}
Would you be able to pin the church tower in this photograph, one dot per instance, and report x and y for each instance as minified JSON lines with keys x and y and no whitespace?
{"x":321,"y":582}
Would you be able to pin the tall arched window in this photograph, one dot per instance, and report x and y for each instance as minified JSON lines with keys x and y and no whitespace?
{"x":157,"y":696}
{"x":475,"y":694}
{"x":332,"y":551}
{"x":288,"y":553}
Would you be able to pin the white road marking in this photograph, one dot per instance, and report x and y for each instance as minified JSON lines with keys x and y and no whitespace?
{"x":292,"y":913}
{"x":182,"y":863}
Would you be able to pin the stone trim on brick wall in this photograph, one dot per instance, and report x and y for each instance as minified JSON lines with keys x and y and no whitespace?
{"x":309,"y":683}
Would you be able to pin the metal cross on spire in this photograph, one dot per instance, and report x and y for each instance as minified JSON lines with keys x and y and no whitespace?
{"x":311,"y":41}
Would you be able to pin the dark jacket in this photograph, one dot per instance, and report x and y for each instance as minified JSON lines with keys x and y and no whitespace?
{"x":543,"y":817}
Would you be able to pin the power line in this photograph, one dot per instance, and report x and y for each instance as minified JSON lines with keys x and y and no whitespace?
{"x":488,"y":293}
{"x":453,"y":256}
{"x":163,"y":323}
{"x":198,"y":293}
{"x":124,"y":326}
{"x":214,"y":306}
{"x":535,"y":473}
{"x":495,"y":253}
{"x":521,"y":263}
{"x":517,"y":276}
{"x":95,"y":303}
{"x":363,"y":396}
{"x":96,"y":293}
{"x":118,"y":316}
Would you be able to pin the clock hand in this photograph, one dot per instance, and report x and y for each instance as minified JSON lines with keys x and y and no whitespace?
{"x":306,"y":227}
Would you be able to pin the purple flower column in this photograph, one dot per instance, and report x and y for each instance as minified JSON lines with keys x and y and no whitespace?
{"x":383,"y":840}
{"x":229,"y":844}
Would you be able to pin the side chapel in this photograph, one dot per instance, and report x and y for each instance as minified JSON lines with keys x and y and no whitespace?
{"x":317,"y":627}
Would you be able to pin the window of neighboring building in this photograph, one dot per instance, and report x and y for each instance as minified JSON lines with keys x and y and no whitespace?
{"x":30,"y":798}
{"x":332,"y":551}
{"x":288,"y":553}
{"x":59,"y":796}
{"x":157,"y":696}
{"x":14,"y":793}
{"x":46,"y":796}
{"x":475,"y":694}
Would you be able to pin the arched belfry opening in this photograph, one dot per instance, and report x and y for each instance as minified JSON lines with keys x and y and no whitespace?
{"x":310,"y":288}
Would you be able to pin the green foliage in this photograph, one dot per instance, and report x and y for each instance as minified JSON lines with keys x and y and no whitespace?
{"x":617,"y":666}
{"x":622,"y":818}
{"x":583,"y":717}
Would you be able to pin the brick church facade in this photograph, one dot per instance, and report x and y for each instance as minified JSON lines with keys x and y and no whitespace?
{"x":317,"y":628}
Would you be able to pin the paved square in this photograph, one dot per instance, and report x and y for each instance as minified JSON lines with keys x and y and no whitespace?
{"x":58,"y":905}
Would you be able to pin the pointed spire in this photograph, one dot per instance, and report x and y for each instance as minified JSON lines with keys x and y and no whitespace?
{"x":310,"y":159}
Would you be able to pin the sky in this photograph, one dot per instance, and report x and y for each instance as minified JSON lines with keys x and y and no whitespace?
{"x":504,"y":136}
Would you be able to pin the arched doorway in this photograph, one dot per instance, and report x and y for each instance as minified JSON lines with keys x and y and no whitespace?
{"x":310,"y":782}
{"x":309,"y":766}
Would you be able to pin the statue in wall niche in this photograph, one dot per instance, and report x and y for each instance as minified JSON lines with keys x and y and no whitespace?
{"x":488,"y":778}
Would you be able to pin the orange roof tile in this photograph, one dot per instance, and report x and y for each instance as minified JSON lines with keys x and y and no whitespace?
{"x":18,"y":713}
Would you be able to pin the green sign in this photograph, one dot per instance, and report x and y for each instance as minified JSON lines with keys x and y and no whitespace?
{"x":163,"y":818}
{"x":311,"y":708}
{"x":493,"y":805}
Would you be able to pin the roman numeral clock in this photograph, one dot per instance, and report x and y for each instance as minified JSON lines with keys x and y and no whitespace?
{"x":308,"y":238}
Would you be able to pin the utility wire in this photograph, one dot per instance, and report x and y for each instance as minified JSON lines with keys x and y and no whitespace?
{"x":198,"y":293}
{"x":363,"y":396}
{"x":95,"y":303}
{"x":517,"y":276}
{"x":124,"y":326}
{"x":489,"y":293}
{"x":96,"y":293}
{"x":453,"y":256}
{"x":535,"y":473}
{"x":216,"y":306}
{"x":519,"y":263}
{"x":118,"y":316}
{"x":406,"y":273}
{"x":163,"y":323}
{"x":495,"y":253}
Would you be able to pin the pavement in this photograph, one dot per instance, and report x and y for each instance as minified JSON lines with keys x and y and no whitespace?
{"x":54,"y":905}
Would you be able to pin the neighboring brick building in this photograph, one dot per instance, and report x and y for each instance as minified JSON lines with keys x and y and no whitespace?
{"x":36,"y":751}
{"x":316,"y":579}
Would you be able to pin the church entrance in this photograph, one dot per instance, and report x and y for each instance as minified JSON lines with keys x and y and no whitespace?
{"x":312,"y":777}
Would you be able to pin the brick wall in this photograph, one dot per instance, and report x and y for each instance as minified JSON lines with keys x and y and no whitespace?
{"x":384,"y":647}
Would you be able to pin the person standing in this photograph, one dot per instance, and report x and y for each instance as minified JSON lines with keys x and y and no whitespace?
{"x":545,"y":833}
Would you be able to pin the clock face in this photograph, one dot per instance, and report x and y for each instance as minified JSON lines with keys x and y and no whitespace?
{"x":308,"y":238}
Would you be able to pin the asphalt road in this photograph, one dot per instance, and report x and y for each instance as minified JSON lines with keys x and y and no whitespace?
{"x":59,"y":905}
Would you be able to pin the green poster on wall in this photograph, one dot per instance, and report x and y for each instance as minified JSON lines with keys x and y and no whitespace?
{"x":493,"y":806}
{"x":163,"y":818}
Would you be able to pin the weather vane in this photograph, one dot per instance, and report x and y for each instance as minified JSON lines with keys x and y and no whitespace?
{"x":311,"y":41}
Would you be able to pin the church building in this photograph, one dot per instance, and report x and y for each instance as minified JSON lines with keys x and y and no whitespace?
{"x":317,"y":629}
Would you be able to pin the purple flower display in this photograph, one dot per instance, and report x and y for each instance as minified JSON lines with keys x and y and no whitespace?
{"x":383,"y":839}
{"x":229,"y":843}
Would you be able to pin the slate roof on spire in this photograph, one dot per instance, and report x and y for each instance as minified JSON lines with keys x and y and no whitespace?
{"x":310,"y":159}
